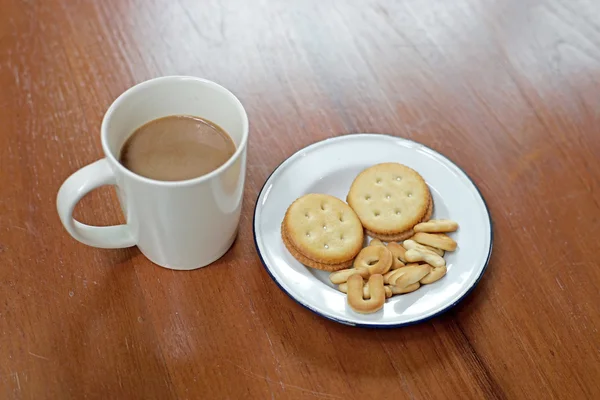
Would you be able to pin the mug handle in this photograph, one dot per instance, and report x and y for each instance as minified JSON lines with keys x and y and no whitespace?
{"x":72,"y":191}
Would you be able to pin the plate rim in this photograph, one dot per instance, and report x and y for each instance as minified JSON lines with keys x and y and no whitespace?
{"x":358,"y":324}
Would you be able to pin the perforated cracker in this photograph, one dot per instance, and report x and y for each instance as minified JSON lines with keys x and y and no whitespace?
{"x":399,"y":237}
{"x":323,"y":228}
{"x":389,"y":198}
{"x":307,"y":261}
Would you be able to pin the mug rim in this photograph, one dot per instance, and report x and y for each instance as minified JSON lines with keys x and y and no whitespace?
{"x":187,"y":182}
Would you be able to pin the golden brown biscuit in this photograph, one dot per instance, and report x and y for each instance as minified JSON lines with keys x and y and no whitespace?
{"x":430,"y":258}
{"x":412,"y":264}
{"x":411,"y":244}
{"x":399,"y":237}
{"x":435,"y":275}
{"x":437,"y":251}
{"x":407,"y":289}
{"x":376,"y":259}
{"x":398,"y":255}
{"x":307,"y":261}
{"x":343,"y":287}
{"x":389,"y":198}
{"x":407,"y":276}
{"x":437,"y":240}
{"x":323,"y":229}
{"x":391,"y":238}
{"x":437,"y":226}
{"x":341,"y":276}
{"x":376,"y":242}
{"x":355,"y":294}
{"x":387,"y":276}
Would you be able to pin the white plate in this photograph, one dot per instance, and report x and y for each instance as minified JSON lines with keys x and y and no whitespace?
{"x":330,"y":167}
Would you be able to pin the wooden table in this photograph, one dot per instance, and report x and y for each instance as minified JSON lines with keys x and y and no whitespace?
{"x":509,"y":89}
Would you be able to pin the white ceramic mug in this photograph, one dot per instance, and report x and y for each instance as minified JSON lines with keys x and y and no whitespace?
{"x":179,"y":225}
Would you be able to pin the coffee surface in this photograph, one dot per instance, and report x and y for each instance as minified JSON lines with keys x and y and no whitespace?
{"x":176,"y":148}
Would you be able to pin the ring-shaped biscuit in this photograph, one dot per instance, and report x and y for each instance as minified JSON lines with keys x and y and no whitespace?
{"x":377,"y":259}
{"x":355,"y":294}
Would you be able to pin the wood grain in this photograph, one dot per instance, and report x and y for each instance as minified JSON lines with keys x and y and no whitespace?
{"x":510,"y":90}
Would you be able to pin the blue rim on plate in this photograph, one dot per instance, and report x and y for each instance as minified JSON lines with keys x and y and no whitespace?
{"x":376,"y":326}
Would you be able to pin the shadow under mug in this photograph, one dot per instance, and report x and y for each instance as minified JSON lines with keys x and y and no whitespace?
{"x":179,"y":225}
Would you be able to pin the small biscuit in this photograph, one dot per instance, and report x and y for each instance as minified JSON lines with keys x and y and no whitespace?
{"x":409,"y":272}
{"x":399,"y":237}
{"x":407,"y":276}
{"x":389,"y":198}
{"x":376,"y":259}
{"x":343,"y":287}
{"x":432,"y":259}
{"x":407,"y":289}
{"x":438,"y":240}
{"x":376,"y":242}
{"x":392,"y":275}
{"x":323,"y":229}
{"x":388,"y":275}
{"x":398,"y":255}
{"x":411,"y":244}
{"x":437,"y":251}
{"x":376,"y":294}
{"x":436,"y":226}
{"x":435,"y":275}
{"x":341,"y":276}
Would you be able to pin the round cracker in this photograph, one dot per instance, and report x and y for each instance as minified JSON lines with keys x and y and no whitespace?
{"x":389,"y":198}
{"x":323,"y":228}
{"x":307,"y":261}
{"x":399,"y":237}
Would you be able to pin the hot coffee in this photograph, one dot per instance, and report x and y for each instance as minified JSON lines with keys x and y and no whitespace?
{"x":176,"y":148}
